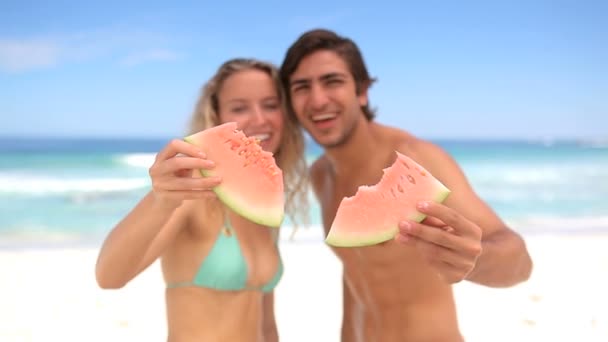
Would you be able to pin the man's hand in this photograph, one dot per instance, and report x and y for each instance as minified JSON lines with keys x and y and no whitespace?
{"x":447,"y":240}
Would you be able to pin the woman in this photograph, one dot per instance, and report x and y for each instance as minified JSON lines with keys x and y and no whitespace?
{"x":220,"y":268}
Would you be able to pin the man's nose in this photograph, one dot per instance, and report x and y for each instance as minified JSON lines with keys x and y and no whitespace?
{"x":318,"y":97}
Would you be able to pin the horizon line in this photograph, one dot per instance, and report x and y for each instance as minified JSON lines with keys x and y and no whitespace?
{"x":431,"y":138}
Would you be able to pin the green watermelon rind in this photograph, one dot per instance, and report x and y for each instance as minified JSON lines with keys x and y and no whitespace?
{"x":265,"y":219}
{"x":383,"y":235}
{"x":361,"y":241}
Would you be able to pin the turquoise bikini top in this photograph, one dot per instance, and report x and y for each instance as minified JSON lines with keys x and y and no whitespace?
{"x":225,"y":268}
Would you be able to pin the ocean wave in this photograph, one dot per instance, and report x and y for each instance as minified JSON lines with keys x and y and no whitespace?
{"x":46,"y":237}
{"x":14,"y":184}
{"x":140,"y":160}
{"x":555,"y":223}
{"x":537,"y":175}
{"x":509,"y":194}
{"x":594,"y":143}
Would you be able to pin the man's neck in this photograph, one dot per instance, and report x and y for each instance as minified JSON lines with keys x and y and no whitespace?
{"x":356,"y":152}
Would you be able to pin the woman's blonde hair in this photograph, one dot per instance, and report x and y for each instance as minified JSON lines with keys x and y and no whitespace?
{"x":290,"y":157}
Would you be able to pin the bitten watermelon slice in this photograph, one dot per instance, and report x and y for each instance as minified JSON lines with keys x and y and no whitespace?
{"x":372,"y":215}
{"x":252,"y":183}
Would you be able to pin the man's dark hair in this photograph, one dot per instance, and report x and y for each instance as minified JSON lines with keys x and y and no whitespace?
{"x":321,"y":39}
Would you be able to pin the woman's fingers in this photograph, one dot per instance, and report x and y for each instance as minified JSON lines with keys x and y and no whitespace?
{"x":175,"y":164}
{"x":190,"y":184}
{"x":175,"y":147}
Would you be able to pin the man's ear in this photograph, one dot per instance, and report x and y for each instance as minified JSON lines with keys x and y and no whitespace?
{"x":362,"y":94}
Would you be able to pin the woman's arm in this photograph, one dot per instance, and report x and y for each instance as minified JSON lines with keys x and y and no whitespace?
{"x":141,"y":237}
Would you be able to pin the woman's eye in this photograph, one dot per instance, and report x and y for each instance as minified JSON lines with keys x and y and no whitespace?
{"x":238,"y":109}
{"x":271,"y":106}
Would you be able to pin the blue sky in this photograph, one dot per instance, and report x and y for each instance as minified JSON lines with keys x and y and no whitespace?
{"x":446,"y":69}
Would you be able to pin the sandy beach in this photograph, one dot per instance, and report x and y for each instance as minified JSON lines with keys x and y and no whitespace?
{"x":51,"y":295}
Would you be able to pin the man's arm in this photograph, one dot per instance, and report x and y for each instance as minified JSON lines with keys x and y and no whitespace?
{"x":504,"y":260}
{"x":269,"y":324}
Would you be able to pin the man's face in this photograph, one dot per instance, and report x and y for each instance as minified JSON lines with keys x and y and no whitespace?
{"x":324,"y":98}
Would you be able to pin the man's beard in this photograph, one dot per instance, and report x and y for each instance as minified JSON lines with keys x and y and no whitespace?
{"x":342,"y":139}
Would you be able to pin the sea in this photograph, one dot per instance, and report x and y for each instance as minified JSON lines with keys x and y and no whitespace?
{"x":57,"y":192}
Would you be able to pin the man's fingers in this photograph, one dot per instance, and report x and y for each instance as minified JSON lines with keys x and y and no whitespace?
{"x":450,"y":217}
{"x":176,"y":146}
{"x":433,"y":221}
{"x":434,"y":253}
{"x":449,"y":273}
{"x":451,"y":266}
{"x":430,"y":234}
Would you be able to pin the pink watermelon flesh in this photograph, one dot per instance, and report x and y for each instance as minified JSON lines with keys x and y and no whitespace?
{"x":252,"y":183}
{"x":372,"y":215}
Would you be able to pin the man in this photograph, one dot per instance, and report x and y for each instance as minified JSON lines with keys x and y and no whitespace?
{"x":399,"y":290}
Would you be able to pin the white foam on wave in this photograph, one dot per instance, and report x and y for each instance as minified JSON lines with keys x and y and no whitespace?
{"x":537,"y":175}
{"x":141,"y":160}
{"x":51,"y":185}
{"x":595,"y":143}
{"x":540,"y":223}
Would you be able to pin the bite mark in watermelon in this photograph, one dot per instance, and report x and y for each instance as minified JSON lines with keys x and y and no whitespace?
{"x":372,"y":215}
{"x":252,"y":183}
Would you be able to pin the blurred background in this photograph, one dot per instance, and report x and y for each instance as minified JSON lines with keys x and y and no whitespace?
{"x":516,"y":91}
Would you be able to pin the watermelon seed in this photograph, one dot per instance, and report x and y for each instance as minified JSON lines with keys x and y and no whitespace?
{"x":411,"y":179}
{"x":405,"y":164}
{"x":393,"y":192}
{"x":400,"y":188}
{"x":233,"y":144}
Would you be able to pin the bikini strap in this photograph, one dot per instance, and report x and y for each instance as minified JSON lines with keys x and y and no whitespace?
{"x":227,"y":228}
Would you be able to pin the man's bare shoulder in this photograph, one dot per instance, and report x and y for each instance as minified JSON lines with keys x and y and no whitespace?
{"x":434,"y":159}
{"x":427,"y":153}
{"x":420,"y":149}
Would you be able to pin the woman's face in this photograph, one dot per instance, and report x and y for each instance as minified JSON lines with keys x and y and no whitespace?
{"x":250,"y":99}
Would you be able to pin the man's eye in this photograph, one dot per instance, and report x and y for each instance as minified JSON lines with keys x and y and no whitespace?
{"x":299,"y":88}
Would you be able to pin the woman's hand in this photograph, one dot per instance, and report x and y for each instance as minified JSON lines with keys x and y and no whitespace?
{"x":175,"y":176}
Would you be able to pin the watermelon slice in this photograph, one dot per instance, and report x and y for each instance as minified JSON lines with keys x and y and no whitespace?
{"x":252,"y":183}
{"x":372,"y":215}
